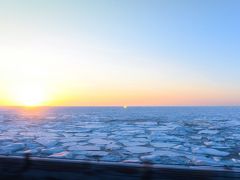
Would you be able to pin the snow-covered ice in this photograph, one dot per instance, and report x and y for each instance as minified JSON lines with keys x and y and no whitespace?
{"x":189,"y":136}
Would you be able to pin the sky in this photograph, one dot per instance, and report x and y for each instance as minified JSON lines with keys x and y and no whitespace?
{"x":119,"y":53}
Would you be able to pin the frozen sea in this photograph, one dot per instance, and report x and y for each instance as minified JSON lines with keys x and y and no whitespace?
{"x":188,"y":136}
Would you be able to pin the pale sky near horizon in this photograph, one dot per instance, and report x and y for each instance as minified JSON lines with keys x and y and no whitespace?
{"x":127,"y":52}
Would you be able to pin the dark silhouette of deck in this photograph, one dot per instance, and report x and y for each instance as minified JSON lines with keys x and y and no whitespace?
{"x":45,"y":168}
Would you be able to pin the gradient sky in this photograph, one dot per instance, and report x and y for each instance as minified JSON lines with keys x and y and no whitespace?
{"x":126,"y":52}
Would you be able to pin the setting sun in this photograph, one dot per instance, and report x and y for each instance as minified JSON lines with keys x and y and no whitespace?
{"x":30,"y":96}
{"x":31,"y":99}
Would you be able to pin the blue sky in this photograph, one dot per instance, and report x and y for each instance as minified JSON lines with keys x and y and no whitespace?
{"x":187,"y":51}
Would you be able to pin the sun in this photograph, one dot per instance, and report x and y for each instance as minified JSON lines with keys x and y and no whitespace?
{"x":30,"y":96}
{"x":31,"y":99}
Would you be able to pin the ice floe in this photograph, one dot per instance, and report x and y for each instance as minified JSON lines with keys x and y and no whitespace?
{"x":185,"y":136}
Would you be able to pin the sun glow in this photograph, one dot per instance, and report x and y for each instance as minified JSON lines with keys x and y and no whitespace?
{"x":30,"y":96}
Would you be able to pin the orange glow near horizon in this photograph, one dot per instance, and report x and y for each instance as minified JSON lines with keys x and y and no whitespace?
{"x":32,"y":95}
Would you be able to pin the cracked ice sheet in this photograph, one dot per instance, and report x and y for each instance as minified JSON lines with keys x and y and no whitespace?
{"x":173,"y":135}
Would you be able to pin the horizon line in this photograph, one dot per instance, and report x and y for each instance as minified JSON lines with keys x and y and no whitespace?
{"x":12,"y":106}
